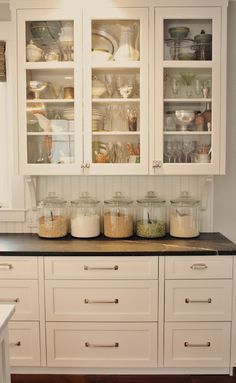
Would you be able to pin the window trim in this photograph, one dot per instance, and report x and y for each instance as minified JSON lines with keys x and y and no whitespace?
{"x":16,"y":211}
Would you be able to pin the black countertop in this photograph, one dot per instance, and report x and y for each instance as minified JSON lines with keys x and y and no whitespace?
{"x":31,"y":244}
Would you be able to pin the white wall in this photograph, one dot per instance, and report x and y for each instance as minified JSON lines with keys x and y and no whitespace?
{"x":225,"y":186}
{"x":4,"y":12}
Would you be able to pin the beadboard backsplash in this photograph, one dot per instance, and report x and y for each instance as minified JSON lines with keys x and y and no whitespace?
{"x":103,"y":187}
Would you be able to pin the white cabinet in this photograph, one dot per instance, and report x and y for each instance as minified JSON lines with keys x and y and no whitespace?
{"x":110,"y":90}
{"x":198,"y":311}
{"x":19,"y":285}
{"x":101,"y":309}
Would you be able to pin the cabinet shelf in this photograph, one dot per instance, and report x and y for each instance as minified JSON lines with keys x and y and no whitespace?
{"x":187,"y":64}
{"x":115,"y":133}
{"x":115,"y":100}
{"x":116,"y":65}
{"x":50,"y":133}
{"x":50,"y":65}
{"x":188,"y":100}
{"x":181,"y":133}
{"x":51,"y":100}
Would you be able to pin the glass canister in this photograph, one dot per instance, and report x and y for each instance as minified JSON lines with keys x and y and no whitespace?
{"x":151,"y":216}
{"x":118,"y":217}
{"x":85,"y":217}
{"x":52,"y":222}
{"x":184,"y":216}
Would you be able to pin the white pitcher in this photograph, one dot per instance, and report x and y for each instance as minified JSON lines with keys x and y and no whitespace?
{"x":127,"y":49}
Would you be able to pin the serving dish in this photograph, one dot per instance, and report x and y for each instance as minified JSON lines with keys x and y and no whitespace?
{"x":103,"y":40}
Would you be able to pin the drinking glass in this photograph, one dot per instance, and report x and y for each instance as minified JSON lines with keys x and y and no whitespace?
{"x":110,"y":84}
{"x":168,"y":150}
{"x":198,"y":87}
{"x":174,"y":84}
{"x":187,"y":148}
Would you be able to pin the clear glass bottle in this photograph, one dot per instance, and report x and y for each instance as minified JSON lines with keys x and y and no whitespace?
{"x":85,"y":217}
{"x":185,"y":217}
{"x":52,"y":222}
{"x":118,"y":217}
{"x":151,"y":216}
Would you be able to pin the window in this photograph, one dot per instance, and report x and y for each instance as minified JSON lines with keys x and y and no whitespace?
{"x":11,"y":185}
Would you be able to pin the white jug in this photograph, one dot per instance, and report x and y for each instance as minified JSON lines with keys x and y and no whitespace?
{"x":127,"y":49}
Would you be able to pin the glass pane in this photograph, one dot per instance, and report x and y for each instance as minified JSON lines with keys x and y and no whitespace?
{"x":116,"y":149}
{"x":50,"y":40}
{"x":187,"y":39}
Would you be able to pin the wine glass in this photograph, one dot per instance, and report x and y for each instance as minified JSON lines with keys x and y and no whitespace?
{"x":187,"y":148}
{"x":168,"y":150}
{"x":174,"y":84}
{"x":110,"y":84}
{"x":198,"y":88}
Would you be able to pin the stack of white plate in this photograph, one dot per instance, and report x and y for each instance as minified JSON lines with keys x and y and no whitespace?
{"x":68,"y":113}
{"x":97,"y":119}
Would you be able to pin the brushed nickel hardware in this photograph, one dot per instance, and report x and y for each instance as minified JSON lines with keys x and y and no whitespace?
{"x":101,"y":268}
{"x":87,"y":165}
{"x":187,"y":344}
{"x":5,"y":266}
{"x":87,"y":344}
{"x":9,"y":300}
{"x":156,"y":164}
{"x":101,"y":301}
{"x":187,"y":300}
{"x":17,"y":344}
{"x":82,"y":165}
{"x":199,"y":266}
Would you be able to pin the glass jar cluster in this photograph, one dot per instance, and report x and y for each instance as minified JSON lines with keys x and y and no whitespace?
{"x":118,"y":218}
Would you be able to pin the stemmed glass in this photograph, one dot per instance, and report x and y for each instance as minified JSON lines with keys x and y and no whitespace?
{"x":168,"y":150}
{"x":110,"y":84}
{"x":198,"y":88}
{"x":187,"y":148}
{"x":174,"y":84}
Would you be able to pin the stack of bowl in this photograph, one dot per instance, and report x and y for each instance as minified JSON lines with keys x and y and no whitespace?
{"x":97,"y":120}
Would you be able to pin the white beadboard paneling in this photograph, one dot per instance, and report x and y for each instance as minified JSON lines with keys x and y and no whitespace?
{"x":103,"y":187}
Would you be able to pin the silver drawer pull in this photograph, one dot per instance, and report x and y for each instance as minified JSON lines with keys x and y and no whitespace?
{"x":87,"y":344}
{"x":98,"y":301}
{"x":187,"y":300}
{"x":187,"y":344}
{"x":17,"y":344}
{"x":5,"y":266}
{"x":9,"y":300}
{"x":101,"y":268}
{"x":199,"y":266}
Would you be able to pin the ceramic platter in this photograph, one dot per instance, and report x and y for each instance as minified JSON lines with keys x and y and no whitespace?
{"x":104,"y":40}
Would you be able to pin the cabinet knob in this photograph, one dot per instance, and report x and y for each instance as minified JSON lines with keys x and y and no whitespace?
{"x":87,"y":165}
{"x":156,"y":164}
{"x":82,"y":165}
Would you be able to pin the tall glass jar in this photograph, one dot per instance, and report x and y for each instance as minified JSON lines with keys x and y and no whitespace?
{"x":185,"y":217}
{"x":85,"y":217}
{"x":151,"y":216}
{"x":52,"y":222}
{"x":118,"y":217}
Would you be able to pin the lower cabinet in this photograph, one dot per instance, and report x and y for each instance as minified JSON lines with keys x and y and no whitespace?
{"x":102,"y":344}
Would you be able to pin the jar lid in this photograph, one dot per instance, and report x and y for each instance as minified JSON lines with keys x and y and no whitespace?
{"x":118,"y":199}
{"x":84,"y":200}
{"x":151,"y":199}
{"x":52,"y":200}
{"x":185,"y":199}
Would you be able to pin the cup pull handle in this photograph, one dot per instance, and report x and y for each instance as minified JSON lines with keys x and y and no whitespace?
{"x":114,"y":345}
{"x":199,"y":266}
{"x":187,"y":300}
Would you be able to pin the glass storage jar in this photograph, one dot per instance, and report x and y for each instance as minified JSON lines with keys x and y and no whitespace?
{"x":52,"y":222}
{"x":151,"y":216}
{"x":184,"y":216}
{"x":118,"y":217}
{"x":85,"y":217}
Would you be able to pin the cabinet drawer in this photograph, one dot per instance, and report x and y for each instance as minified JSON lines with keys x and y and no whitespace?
{"x":18,"y":267}
{"x":198,"y":267}
{"x":197,"y":344}
{"x":102,"y":344}
{"x":24,"y":294}
{"x":198,"y":300}
{"x":24,"y":343}
{"x":101,"y":300}
{"x":101,"y":267}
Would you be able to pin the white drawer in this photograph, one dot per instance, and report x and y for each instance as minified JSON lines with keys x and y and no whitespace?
{"x":24,"y":343}
{"x":198,"y":300}
{"x":24,"y":294}
{"x":197,"y":344}
{"x":18,"y":267}
{"x":198,"y":267}
{"x":102,"y":344}
{"x":101,"y":267}
{"x":101,"y":300}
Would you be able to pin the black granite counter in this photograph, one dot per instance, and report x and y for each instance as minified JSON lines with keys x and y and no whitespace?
{"x":31,"y":244}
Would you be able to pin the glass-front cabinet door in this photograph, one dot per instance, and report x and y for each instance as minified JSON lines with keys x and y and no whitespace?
{"x":187,"y":90}
{"x":116,"y":91}
{"x":49,"y":98}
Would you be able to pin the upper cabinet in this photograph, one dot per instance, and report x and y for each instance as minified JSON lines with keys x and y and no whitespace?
{"x":121,"y":89}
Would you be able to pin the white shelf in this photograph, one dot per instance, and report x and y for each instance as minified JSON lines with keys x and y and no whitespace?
{"x":180,"y":133}
{"x":51,"y":100}
{"x":50,"y":133}
{"x":115,"y":133}
{"x":189,"y":100}
{"x":115,"y":100}
{"x":116,"y":64}
{"x":187,"y":64}
{"x":50,"y":65}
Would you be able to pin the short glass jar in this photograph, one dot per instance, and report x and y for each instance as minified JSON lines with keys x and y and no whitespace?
{"x":85,"y":217}
{"x":118,"y":217}
{"x":185,"y":217}
{"x":151,"y":216}
{"x":52,"y":221}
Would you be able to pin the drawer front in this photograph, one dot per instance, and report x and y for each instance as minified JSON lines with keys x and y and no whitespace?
{"x":24,"y":294}
{"x":198,"y":267}
{"x":198,"y":300}
{"x":24,"y":343}
{"x":102,"y":344}
{"x":18,"y":267}
{"x":197,"y":344}
{"x":101,"y":267}
{"x":101,"y":300}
